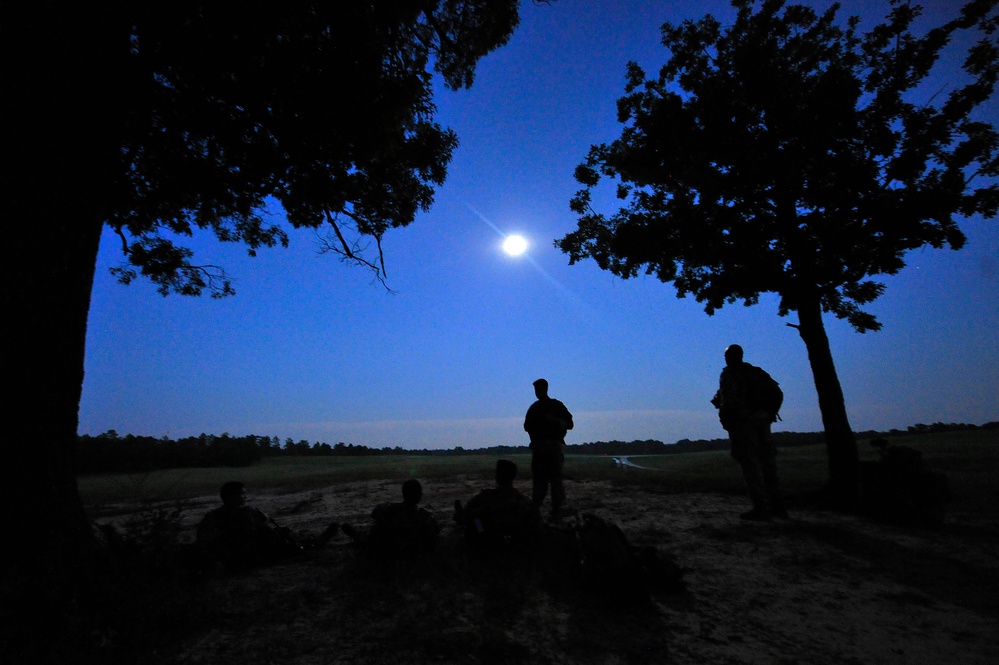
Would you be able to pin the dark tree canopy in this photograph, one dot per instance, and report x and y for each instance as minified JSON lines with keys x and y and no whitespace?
{"x":325,"y":107}
{"x":788,"y":153}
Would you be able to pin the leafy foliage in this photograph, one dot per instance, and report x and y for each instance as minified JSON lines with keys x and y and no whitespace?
{"x":790,"y":154}
{"x":325,"y":108}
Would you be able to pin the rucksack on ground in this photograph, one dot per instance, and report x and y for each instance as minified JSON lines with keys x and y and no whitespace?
{"x":900,"y":488}
{"x":615,"y":569}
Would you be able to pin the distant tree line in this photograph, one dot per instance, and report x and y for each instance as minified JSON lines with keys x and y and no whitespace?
{"x":943,"y":427}
{"x":654,"y":447}
{"x":781,"y":440}
{"x":647,"y":447}
{"x":112,"y":453}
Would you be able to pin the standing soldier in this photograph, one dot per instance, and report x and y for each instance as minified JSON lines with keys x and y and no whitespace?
{"x":748,"y":400}
{"x":546,"y":422}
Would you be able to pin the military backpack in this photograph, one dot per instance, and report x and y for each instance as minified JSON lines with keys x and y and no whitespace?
{"x":763,"y":393}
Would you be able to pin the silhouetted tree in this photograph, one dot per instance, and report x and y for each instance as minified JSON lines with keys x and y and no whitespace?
{"x":788,"y":154}
{"x":160,"y":119}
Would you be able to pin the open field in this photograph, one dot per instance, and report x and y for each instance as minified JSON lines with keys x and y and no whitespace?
{"x":970,"y":458}
{"x":820,"y":589}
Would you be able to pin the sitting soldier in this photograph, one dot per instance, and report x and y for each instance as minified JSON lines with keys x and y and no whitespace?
{"x":500,"y":516}
{"x":241,"y":537}
{"x":400,"y":529}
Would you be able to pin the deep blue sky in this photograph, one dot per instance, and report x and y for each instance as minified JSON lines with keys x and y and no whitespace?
{"x":310,"y":348}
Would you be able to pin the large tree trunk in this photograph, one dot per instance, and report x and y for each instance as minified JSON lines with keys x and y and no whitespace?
{"x":46,"y":306}
{"x":61,"y":92}
{"x":844,"y":465}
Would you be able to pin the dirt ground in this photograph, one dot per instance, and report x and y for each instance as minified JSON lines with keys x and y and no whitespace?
{"x":820,"y":588}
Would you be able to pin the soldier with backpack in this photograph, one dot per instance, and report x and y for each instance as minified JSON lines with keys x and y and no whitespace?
{"x":748,"y":401}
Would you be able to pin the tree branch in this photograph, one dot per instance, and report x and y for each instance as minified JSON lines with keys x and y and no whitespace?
{"x":124,"y":240}
{"x":350,"y":251}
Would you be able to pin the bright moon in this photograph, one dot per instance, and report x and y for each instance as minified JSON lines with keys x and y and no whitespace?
{"x":514,"y":245}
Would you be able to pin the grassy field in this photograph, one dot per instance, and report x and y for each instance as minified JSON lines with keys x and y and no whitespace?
{"x":970,"y":459}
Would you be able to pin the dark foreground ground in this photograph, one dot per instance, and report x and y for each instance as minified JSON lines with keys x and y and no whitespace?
{"x":820,"y":588}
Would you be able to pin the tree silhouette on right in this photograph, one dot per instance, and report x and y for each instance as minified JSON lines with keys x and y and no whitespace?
{"x":789,"y":153}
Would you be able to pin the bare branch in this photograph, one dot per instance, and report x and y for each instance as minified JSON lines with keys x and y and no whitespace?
{"x":210,"y":276}
{"x":345,"y":249}
{"x":352,"y":251}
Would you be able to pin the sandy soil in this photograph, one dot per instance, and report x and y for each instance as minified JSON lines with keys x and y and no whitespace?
{"x":820,"y":588}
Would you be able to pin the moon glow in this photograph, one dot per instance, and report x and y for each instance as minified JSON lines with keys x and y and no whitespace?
{"x":515,"y":245}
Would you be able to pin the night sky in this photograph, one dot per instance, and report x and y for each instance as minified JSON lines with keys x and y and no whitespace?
{"x":311,"y":348}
